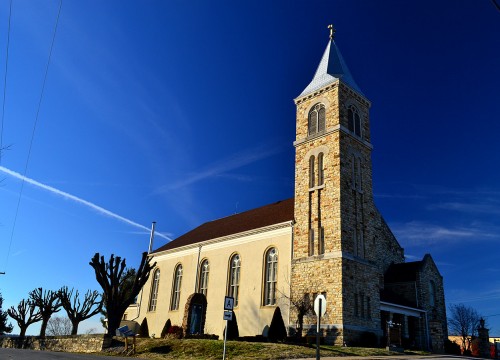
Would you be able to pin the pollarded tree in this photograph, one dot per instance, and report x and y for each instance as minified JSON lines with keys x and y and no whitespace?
{"x":48,"y":303}
{"x":118,"y":291}
{"x":77,"y":312}
{"x":4,"y":327}
{"x":25,"y":315}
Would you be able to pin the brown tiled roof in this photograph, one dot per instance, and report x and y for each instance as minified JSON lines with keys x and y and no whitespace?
{"x":275,"y":213}
{"x":403,"y":272}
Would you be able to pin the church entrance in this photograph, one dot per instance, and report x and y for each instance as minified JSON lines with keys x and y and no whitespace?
{"x":194,"y":314}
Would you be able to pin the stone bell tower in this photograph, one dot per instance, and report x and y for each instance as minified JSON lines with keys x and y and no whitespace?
{"x":334,"y":245}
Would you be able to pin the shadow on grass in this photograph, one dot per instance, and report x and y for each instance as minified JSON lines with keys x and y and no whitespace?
{"x":164,"y":349}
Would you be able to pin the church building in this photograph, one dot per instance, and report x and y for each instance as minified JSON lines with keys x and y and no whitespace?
{"x":329,"y":239}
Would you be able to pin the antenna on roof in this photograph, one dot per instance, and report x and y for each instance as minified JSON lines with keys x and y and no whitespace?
{"x":151,"y":238}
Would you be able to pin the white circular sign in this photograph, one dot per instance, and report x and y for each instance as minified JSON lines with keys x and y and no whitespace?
{"x":317,"y":310}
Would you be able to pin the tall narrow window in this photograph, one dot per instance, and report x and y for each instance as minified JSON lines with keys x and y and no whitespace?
{"x":271,"y":277}
{"x":321,"y":173}
{"x":321,"y":231}
{"x":176,"y":288}
{"x":432,"y":293}
{"x":234,"y":277}
{"x":316,"y":119}
{"x":311,"y":230}
{"x":203,"y":284}
{"x":311,"y":171}
{"x":368,"y":308}
{"x":354,"y":121}
{"x":356,"y":305}
{"x":154,"y":290}
{"x":358,"y":175}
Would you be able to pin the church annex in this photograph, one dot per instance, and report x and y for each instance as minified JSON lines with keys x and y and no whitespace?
{"x":329,"y":239}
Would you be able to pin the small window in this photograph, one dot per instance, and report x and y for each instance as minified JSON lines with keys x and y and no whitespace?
{"x":316,"y":119}
{"x":203,"y":284}
{"x":154,"y":290}
{"x":354,"y":120}
{"x":176,"y":289}
{"x":321,"y":174}
{"x":356,"y":305}
{"x":234,"y":277}
{"x":271,"y":277}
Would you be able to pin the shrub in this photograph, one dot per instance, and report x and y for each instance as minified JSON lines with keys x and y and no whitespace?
{"x":451,"y":347}
{"x":175,"y":332}
{"x":368,"y":339}
{"x":144,"y":329}
{"x":167,"y":326}
{"x":277,"y":329}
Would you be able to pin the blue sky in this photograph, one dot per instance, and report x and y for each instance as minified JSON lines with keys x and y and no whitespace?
{"x":182,"y":112}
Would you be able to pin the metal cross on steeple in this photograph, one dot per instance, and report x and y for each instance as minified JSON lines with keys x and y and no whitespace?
{"x":332,"y":31}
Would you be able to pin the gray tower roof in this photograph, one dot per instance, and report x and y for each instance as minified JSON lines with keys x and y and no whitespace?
{"x":331,"y":68}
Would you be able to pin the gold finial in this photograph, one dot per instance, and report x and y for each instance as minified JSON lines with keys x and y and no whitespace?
{"x":332,"y":31}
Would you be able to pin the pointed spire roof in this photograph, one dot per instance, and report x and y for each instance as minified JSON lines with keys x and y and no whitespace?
{"x":331,"y":68}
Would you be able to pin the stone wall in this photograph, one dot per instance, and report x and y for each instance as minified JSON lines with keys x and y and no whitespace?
{"x":77,"y":344}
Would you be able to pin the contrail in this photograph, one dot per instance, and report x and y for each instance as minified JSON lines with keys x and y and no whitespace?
{"x":78,"y":200}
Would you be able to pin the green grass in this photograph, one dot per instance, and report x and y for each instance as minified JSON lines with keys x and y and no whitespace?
{"x":156,"y":349}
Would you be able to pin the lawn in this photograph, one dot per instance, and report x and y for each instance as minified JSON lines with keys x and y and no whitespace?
{"x":156,"y":349}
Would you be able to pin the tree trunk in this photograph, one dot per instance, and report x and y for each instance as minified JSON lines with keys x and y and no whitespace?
{"x":43,"y":328}
{"x":113,"y":322}
{"x":22,"y":331}
{"x":74,"y":329}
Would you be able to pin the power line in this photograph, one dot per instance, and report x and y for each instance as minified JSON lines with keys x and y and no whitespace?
{"x":5,"y":81}
{"x":33,"y":132}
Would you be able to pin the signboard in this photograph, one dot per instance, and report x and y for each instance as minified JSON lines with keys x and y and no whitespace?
{"x":317,"y":310}
{"x":228,"y":315}
{"x":228,"y":303}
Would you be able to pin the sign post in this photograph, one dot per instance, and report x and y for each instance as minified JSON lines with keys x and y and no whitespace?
{"x":228,"y":316}
{"x":319,"y":309}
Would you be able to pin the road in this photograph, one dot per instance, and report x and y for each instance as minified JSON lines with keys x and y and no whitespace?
{"x":21,"y":354}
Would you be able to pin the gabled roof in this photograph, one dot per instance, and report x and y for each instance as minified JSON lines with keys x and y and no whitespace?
{"x":331,"y":68}
{"x":272,"y":214}
{"x":403,"y":272}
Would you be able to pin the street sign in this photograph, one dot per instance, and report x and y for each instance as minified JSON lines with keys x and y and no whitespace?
{"x":228,"y":303}
{"x":320,"y":299}
{"x":228,"y":315}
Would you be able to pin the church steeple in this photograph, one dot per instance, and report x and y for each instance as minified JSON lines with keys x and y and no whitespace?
{"x":331,"y":68}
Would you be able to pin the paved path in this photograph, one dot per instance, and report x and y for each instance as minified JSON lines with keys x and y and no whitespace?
{"x":401,"y":357}
{"x":21,"y":354}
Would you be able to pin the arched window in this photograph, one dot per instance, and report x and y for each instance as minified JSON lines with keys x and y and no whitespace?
{"x":354,"y":120}
{"x":321,"y":174}
{"x":234,"y":277}
{"x":176,"y":288}
{"x":432,"y":293}
{"x":311,"y":171}
{"x":154,"y":290}
{"x":204,"y":269}
{"x":317,"y":119}
{"x":271,"y":276}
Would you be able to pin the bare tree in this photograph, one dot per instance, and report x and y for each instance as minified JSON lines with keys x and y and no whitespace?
{"x":24,"y":315}
{"x":302,"y":306}
{"x":463,"y":321}
{"x":77,"y":312}
{"x":59,"y":326}
{"x":48,"y":303}
{"x":118,"y":293}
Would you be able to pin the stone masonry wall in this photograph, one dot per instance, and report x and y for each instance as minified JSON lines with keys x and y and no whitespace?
{"x":78,"y":344}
